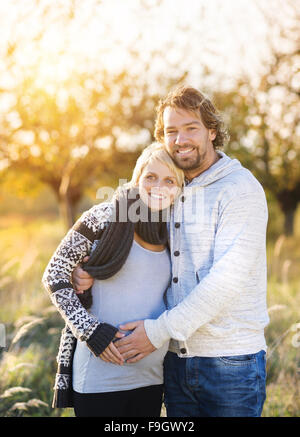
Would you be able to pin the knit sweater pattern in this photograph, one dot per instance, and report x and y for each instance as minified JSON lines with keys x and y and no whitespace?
{"x":57,"y":280}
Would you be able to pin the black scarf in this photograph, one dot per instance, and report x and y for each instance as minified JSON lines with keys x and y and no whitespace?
{"x":115,"y":241}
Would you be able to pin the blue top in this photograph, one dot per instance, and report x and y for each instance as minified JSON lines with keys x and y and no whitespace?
{"x":136,"y":292}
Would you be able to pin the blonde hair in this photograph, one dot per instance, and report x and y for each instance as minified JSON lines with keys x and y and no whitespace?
{"x":156,"y":151}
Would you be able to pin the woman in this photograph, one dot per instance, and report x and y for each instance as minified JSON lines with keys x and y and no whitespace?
{"x":127,"y":243}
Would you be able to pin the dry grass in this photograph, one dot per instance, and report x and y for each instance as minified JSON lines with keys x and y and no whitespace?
{"x":27,"y":365}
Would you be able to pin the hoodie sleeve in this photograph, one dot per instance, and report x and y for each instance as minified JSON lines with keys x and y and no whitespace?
{"x":57,"y":279}
{"x":239,"y":245}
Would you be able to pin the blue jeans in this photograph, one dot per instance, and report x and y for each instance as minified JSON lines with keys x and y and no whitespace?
{"x":231,"y":386}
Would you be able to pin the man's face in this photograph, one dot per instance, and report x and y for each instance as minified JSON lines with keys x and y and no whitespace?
{"x":187,"y":140}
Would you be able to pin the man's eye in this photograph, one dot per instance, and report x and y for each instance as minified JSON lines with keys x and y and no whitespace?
{"x":171,"y":132}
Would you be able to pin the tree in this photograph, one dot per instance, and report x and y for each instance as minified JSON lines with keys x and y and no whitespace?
{"x":265,"y":129}
{"x":78,"y":135}
{"x":72,"y":125}
{"x":264,"y":121}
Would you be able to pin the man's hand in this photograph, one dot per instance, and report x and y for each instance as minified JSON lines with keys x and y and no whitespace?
{"x":136,"y":345}
{"x":81,"y":280}
{"x":111,"y":353}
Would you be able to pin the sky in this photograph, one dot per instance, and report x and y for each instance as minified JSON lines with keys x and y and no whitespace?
{"x":58,"y":37}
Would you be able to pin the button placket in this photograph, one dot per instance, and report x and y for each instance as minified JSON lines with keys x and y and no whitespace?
{"x":176,"y":244}
{"x":178,"y":218}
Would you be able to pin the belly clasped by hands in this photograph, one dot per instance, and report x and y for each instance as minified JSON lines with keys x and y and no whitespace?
{"x":134,"y":346}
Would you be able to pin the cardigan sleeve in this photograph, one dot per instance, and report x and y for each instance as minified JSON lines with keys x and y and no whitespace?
{"x":57,"y":279}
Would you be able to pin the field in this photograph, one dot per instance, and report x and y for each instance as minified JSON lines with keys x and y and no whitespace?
{"x":27,"y":363}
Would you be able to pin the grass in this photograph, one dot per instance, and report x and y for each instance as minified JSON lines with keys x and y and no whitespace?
{"x":283,"y":331}
{"x":33,"y":326}
{"x":27,"y":364}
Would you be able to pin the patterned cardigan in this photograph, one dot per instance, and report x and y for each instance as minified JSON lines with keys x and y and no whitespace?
{"x":80,"y":324}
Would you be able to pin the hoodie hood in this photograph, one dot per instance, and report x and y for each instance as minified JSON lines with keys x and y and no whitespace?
{"x":220,"y":169}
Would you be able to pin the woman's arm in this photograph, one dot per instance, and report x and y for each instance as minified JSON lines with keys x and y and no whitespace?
{"x":57,"y":279}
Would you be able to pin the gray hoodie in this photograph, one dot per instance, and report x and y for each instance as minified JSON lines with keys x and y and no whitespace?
{"x":217,"y":296}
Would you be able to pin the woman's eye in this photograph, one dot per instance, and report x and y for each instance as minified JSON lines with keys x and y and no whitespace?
{"x":170,"y":181}
{"x":149,"y":177}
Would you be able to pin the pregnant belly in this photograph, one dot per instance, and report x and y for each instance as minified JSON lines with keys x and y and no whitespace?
{"x":118,"y":308}
{"x":152,"y":360}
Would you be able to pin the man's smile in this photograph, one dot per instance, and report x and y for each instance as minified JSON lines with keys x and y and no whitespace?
{"x":185,"y":152}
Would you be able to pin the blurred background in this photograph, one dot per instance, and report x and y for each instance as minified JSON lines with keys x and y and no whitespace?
{"x":79,"y":83}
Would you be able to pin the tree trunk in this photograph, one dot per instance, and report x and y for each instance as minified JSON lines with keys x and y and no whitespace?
{"x":288,"y":200}
{"x":64,"y":195}
{"x":67,"y":211}
{"x":67,"y":202}
{"x":289,"y":218}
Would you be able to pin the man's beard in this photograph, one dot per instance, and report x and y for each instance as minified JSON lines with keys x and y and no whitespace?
{"x":187,"y":163}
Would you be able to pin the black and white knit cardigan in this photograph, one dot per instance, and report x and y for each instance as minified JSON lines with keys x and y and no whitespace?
{"x":80,"y":323}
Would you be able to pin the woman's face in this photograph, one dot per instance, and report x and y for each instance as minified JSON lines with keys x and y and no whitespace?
{"x":158,"y":186}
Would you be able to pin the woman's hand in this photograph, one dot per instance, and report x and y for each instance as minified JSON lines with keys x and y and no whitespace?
{"x":81,"y":279}
{"x":111,"y":353}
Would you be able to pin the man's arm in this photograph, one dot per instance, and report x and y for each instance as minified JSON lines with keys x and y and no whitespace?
{"x":81,"y":279}
{"x":239,"y":247}
{"x":239,"y":252}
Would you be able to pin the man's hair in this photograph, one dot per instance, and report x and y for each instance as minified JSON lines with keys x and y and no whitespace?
{"x":190,"y":99}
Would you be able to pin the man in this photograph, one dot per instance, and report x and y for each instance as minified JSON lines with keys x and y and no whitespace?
{"x":217,"y":298}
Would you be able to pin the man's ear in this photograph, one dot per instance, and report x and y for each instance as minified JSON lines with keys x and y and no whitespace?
{"x":212,"y":134}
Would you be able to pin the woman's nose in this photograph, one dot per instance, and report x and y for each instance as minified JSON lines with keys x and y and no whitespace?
{"x":160,"y":187}
{"x":157,"y":185}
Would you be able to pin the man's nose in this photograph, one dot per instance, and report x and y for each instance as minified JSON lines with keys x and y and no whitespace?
{"x":181,"y":139}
